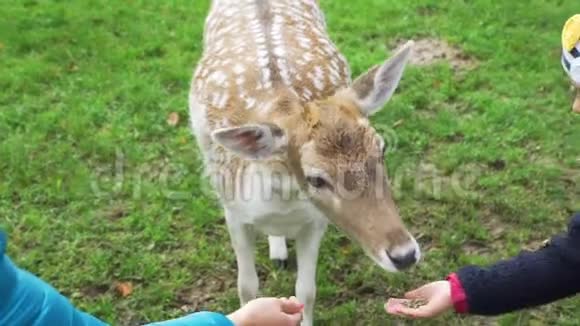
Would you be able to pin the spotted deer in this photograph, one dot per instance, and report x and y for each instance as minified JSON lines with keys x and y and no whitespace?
{"x":287,"y":141}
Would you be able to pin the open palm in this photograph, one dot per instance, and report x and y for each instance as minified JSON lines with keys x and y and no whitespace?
{"x":437,"y":296}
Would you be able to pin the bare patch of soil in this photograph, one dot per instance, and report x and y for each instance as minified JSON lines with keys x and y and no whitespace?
{"x":428,"y":51}
{"x":202,"y":293}
{"x":94,"y":290}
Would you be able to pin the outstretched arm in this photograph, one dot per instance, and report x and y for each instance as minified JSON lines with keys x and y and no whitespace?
{"x":527,"y":280}
{"x":27,"y":300}
{"x":530,"y":279}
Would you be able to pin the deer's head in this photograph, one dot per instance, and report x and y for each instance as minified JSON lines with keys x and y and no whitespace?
{"x":338,"y":159}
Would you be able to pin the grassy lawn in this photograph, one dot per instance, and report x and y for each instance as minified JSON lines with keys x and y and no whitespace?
{"x":96,"y":187}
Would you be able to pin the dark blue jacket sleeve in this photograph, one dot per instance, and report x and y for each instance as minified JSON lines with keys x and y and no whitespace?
{"x":527,"y":280}
{"x":27,"y":300}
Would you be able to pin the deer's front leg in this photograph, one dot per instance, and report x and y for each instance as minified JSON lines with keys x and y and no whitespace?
{"x":307,"y":245}
{"x":243,"y":239}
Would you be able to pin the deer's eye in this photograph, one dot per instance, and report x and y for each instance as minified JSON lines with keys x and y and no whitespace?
{"x":317,"y":182}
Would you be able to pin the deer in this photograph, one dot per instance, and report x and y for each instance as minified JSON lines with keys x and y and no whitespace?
{"x":286,"y":140}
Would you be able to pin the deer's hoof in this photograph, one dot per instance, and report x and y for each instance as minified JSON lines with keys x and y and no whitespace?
{"x":280,"y":263}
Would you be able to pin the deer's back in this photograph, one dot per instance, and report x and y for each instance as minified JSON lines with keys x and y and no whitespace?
{"x":253,"y":49}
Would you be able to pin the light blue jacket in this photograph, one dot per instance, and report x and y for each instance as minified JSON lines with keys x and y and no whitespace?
{"x":27,"y":300}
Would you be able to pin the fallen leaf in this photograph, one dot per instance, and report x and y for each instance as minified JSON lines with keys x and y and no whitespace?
{"x":124,"y":289}
{"x":173,"y":119}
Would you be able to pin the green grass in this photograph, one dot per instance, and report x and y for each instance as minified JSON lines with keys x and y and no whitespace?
{"x":96,"y":187}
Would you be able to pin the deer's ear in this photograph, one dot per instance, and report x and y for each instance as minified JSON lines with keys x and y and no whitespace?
{"x":374,"y":88}
{"x":259,"y":141}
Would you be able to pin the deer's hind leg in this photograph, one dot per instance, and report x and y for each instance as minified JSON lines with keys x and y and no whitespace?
{"x":278,"y":251}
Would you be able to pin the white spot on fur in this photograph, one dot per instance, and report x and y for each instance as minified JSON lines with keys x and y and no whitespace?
{"x":219,"y":44}
{"x":219,"y":77}
{"x":260,"y":38}
{"x":266,"y":78}
{"x":304,"y":42}
{"x":250,"y":102}
{"x":251,"y":16}
{"x":317,"y":78}
{"x":199,"y":85}
{"x":334,"y":76}
{"x":319,"y":51}
{"x":229,"y":12}
{"x":239,"y":69}
{"x":266,"y":107}
{"x":197,"y":116}
{"x":276,"y":37}
{"x":279,"y":51}
{"x":284,"y":73}
{"x":222,"y":100}
{"x":324,"y":41}
{"x":225,"y":123}
{"x":334,"y":64}
{"x":329,"y":50}
{"x":345,"y":67}
{"x":263,"y":60}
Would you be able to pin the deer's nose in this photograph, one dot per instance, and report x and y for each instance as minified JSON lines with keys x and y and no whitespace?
{"x":405,"y":260}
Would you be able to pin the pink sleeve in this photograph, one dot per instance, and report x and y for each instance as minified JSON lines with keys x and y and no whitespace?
{"x":458,"y":296}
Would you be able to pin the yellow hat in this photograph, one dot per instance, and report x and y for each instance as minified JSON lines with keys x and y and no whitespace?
{"x":571,"y":33}
{"x":571,"y":48}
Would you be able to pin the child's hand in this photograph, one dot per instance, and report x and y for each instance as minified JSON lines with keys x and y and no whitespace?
{"x":576,"y":105}
{"x":269,"y":311}
{"x":437,"y":296}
